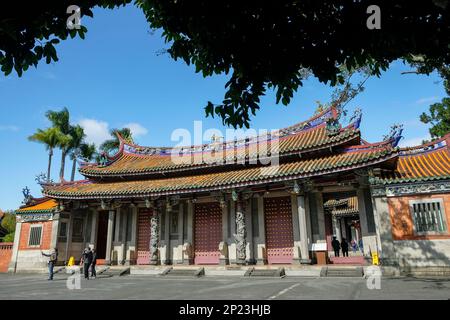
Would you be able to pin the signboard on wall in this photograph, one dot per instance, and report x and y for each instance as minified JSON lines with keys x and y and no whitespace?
{"x":320,"y":246}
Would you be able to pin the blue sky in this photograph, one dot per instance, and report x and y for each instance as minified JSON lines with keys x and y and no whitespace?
{"x":116,"y":77}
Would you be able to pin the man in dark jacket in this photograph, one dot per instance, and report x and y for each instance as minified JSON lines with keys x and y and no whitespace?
{"x":94,"y":263}
{"x":86,"y":260}
{"x":344,"y":246}
{"x":336,"y":246}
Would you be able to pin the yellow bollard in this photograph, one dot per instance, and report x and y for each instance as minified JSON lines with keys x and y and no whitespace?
{"x":71,"y":262}
{"x":375,"y":261}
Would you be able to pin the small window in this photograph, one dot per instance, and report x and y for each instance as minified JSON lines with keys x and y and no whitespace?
{"x":428,"y":216}
{"x":62,"y":236}
{"x":77,"y":230}
{"x":35,"y":236}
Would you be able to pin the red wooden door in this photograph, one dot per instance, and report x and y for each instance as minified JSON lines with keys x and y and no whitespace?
{"x":143,"y":243}
{"x":207,"y":233}
{"x":279,"y":234}
{"x":102,"y":233}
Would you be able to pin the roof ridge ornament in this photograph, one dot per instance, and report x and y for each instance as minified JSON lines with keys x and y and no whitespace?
{"x":356,"y":117}
{"x":28,"y":198}
{"x":395,"y":135}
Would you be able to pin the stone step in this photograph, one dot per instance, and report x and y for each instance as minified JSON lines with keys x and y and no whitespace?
{"x":184,"y":272}
{"x":114,"y":272}
{"x":431,"y":271}
{"x":252,"y":272}
{"x":342,"y":272}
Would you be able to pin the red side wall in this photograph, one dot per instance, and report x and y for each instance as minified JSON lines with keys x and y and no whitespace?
{"x":5,"y":255}
{"x":46,"y":236}
{"x":402,"y":221}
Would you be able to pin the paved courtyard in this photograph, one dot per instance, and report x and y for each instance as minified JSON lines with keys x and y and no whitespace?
{"x":226,"y":288}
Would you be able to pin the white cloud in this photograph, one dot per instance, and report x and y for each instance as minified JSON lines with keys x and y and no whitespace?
{"x":412,"y":142}
{"x":136,"y":129}
{"x":9,"y":128}
{"x":427,"y":100}
{"x":96,"y":131}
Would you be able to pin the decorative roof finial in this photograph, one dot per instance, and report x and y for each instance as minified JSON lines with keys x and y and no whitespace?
{"x":395,"y":135}
{"x":355,"y":119}
{"x":26,"y":195}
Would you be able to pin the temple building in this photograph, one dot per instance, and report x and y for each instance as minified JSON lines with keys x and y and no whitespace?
{"x":270,"y":199}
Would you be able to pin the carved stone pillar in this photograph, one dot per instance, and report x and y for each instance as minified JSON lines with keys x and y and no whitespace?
{"x":241,"y":234}
{"x":154,"y":236}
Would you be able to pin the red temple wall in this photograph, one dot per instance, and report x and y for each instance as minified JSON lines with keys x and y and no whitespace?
{"x":402,"y":220}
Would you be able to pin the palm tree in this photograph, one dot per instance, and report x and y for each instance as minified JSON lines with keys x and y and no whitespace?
{"x":61,"y":120}
{"x":112,"y":145}
{"x":51,"y":138}
{"x":88,"y":152}
{"x":77,"y":136}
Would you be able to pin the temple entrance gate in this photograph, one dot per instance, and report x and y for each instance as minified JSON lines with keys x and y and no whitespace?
{"x":207,"y":232}
{"x":279,"y":233}
{"x":143,"y":240}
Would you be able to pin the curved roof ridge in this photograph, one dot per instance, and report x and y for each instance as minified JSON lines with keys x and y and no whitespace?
{"x":371,"y":146}
{"x":427,"y":147}
{"x":314,"y":121}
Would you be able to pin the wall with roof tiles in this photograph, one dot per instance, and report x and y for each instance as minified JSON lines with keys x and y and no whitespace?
{"x":402,"y":220}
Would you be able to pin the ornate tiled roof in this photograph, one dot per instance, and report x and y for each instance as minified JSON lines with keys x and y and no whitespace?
{"x":344,"y":161}
{"x":343,"y":207}
{"x":44,"y":205}
{"x":308,"y":136}
{"x":427,"y":162}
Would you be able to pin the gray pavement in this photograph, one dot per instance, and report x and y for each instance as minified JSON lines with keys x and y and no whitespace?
{"x":219,"y":288}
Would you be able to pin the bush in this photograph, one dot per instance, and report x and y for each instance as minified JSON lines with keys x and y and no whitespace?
{"x":9,"y":237}
{"x":9,"y":222}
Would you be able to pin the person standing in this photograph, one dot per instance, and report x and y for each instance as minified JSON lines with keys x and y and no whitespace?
{"x":52,"y":259}
{"x":344,"y":246}
{"x":336,"y":246}
{"x":94,"y":263}
{"x":86,"y":261}
{"x":354,"y":246}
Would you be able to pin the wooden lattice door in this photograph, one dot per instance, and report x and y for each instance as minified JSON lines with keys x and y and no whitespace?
{"x":207,"y":233}
{"x":143,"y":245}
{"x":279,"y":234}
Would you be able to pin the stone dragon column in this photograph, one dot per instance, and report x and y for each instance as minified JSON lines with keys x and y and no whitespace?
{"x":154,"y":235}
{"x":241,"y":232}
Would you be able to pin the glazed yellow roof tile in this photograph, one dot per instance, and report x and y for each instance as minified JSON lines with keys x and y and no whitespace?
{"x":46,"y":205}
{"x":422,"y":164}
{"x":343,"y":207}
{"x":223,"y":180}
